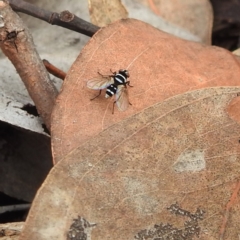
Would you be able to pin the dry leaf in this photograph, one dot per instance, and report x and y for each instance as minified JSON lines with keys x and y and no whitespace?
{"x":104,"y":12}
{"x":11,"y":231}
{"x":237,"y":52}
{"x":195,"y":16}
{"x":160,"y":66}
{"x":14,"y":112}
{"x":138,"y":10}
{"x":234,"y":109}
{"x":25,"y":161}
{"x":175,"y":163}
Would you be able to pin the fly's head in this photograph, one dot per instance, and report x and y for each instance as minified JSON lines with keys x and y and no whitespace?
{"x":124,"y":72}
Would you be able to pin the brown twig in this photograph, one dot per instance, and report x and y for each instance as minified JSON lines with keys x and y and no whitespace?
{"x":64,"y":19}
{"x":54,"y":70}
{"x":17,"y":44}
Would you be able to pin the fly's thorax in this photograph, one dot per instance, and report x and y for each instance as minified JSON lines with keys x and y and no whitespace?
{"x":120,"y":79}
{"x":111,"y":90}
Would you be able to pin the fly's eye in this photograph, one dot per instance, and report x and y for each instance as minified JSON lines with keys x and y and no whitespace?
{"x":125,"y":72}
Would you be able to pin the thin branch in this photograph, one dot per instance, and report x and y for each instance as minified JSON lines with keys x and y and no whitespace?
{"x":17,"y":44}
{"x":64,"y":19}
{"x":54,"y":70}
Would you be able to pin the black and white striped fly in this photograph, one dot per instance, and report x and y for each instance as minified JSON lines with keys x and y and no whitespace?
{"x":115,"y":84}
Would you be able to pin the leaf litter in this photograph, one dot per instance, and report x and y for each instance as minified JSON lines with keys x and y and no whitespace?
{"x":194,"y":16}
{"x":127,"y":178}
{"x":160,"y":66}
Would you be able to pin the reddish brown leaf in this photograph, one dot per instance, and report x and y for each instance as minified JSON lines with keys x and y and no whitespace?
{"x":234,"y":109}
{"x":174,"y":164}
{"x":160,"y":66}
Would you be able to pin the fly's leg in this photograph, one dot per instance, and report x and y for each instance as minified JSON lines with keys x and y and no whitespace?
{"x":128,"y":83}
{"x":113,"y":106}
{"x":97,"y":95}
{"x":114,"y":73}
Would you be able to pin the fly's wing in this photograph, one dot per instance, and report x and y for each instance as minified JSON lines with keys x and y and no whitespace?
{"x":122,"y":100}
{"x":100,"y":82}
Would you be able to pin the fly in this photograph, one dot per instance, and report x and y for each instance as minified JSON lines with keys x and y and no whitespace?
{"x":115,"y":84}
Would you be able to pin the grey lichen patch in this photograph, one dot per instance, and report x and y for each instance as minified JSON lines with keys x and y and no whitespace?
{"x":139,"y":197}
{"x":80,"y":229}
{"x":190,"y":161}
{"x":168,"y":231}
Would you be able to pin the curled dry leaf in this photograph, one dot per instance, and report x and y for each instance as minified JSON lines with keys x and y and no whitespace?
{"x":104,"y":12}
{"x":138,"y":10}
{"x":160,"y":66}
{"x":171,"y":166}
{"x":195,"y":16}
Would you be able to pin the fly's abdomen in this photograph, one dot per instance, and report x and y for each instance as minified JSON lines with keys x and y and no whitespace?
{"x":111,"y":90}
